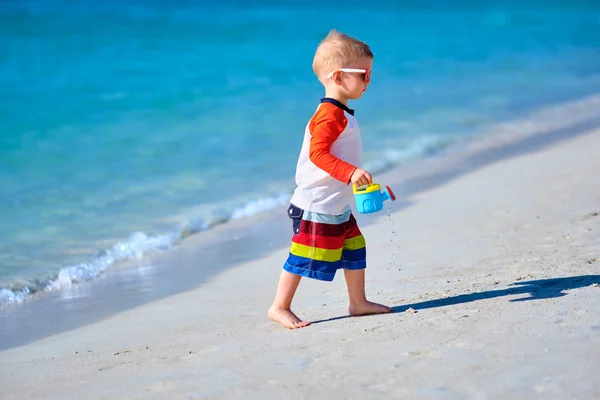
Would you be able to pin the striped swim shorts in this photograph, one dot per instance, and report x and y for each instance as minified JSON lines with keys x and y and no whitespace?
{"x":324,"y":243}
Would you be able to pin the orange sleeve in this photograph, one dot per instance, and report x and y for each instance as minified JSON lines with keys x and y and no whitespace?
{"x":325,"y":127}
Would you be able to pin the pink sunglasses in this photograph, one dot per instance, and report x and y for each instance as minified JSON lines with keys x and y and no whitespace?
{"x":366,"y":73}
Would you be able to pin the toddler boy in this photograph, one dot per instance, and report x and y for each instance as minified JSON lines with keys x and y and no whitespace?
{"x":326,"y":237}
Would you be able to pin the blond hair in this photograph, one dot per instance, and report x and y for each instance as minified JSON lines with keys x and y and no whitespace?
{"x":338,"y":50}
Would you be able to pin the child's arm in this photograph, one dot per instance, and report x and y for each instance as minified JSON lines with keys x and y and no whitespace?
{"x":325,"y":127}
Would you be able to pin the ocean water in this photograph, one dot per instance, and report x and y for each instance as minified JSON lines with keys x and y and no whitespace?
{"x":126,"y":126}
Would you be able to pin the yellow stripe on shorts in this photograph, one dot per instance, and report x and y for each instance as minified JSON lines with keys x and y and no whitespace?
{"x":355,"y":243}
{"x":315,"y":253}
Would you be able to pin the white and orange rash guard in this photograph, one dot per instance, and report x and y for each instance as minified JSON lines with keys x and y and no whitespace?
{"x":331,"y":152}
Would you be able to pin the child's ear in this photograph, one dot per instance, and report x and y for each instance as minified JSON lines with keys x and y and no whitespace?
{"x":337,"y":77}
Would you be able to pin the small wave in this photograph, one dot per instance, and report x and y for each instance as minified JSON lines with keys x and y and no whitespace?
{"x":135,"y":247}
{"x":425,"y":146}
{"x":260,"y":205}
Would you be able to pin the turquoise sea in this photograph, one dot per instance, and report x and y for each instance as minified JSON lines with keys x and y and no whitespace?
{"x":127,"y":125}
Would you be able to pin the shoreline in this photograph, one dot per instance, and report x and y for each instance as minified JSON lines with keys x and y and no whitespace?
{"x":492,"y":276}
{"x":120,"y":253}
{"x":154,"y":277}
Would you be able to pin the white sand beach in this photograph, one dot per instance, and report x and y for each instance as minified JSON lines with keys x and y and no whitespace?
{"x":494,"y":279}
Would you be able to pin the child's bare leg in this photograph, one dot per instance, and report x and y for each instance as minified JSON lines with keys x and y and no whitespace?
{"x":359,"y":305}
{"x":281,"y":311}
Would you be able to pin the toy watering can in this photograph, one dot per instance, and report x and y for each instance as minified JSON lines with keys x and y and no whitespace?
{"x":370,"y":198}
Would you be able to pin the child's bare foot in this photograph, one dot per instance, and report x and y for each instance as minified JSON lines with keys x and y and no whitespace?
{"x":368,"y":307}
{"x":286,"y":318}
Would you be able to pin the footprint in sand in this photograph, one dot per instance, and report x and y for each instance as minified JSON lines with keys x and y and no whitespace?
{"x":157,"y":387}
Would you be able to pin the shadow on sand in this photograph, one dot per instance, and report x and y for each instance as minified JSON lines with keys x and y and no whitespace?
{"x":536,"y":290}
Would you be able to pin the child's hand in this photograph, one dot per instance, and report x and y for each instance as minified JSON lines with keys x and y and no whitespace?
{"x":360,"y":177}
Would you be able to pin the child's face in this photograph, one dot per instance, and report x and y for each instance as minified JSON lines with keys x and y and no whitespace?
{"x":352,"y":84}
{"x":357,"y":82}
